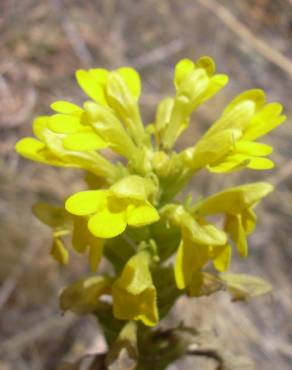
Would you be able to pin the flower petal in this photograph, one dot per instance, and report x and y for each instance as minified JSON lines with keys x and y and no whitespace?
{"x":223,"y":257}
{"x":234,"y":200}
{"x":63,"y":123}
{"x":258,"y":163}
{"x":234,"y":227}
{"x":29,"y":148}
{"x":266,"y":120}
{"x":65,"y":107}
{"x":95,"y":252}
{"x":107,"y":224}
{"x":91,"y":82}
{"x":253,"y":148}
{"x":141,"y":214}
{"x":85,"y":202}
{"x":133,"y":186}
{"x":134,"y":295}
{"x":39,"y":125}
{"x":84,"y":141}
{"x":207,"y":63}
{"x":182,"y":69}
{"x":132,"y":80}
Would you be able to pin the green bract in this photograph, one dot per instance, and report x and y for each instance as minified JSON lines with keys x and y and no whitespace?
{"x":129,"y":213}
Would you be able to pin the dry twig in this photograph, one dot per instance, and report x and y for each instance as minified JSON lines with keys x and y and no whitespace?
{"x":274,"y":56}
{"x":72,"y":33}
{"x":158,"y":54}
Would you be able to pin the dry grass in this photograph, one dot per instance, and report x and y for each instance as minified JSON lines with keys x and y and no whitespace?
{"x":42,"y":44}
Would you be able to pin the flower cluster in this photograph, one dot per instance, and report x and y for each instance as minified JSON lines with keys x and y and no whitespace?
{"x":129,"y":214}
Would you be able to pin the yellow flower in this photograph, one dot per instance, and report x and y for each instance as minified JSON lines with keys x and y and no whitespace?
{"x":72,"y":124}
{"x":201,"y":242}
{"x":119,"y":90}
{"x":134,"y":295}
{"x":195,"y":82}
{"x":108,"y":126}
{"x":191,"y":257}
{"x":237,"y":204}
{"x":195,"y":228}
{"x":111,"y":210}
{"x":63,"y":140}
{"x":230,"y":143}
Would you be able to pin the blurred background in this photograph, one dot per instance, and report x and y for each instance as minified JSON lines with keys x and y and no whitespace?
{"x":42,"y":44}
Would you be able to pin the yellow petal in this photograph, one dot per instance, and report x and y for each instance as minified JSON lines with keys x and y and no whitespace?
{"x":234,"y":228}
{"x":192,"y":89}
{"x":216,"y":83}
{"x":182,"y":69}
{"x":239,"y":112}
{"x":141,"y":307}
{"x":249,"y":220}
{"x":38,"y":126}
{"x":202,"y":232}
{"x":100,"y":75}
{"x":190,"y":258}
{"x":143,"y":213}
{"x":209,"y":151}
{"x":29,"y":148}
{"x":133,"y":186}
{"x":95,"y":252}
{"x":110,"y":128}
{"x":230,"y":163}
{"x":234,"y":200}
{"x":260,"y":163}
{"x":132,"y":80}
{"x":91,"y":82}
{"x":266,"y":120}
{"x":163,"y":113}
{"x":106,"y":224}
{"x":207,"y":63}
{"x":63,"y":123}
{"x":84,"y":141}
{"x":253,"y":148}
{"x":134,"y":295}
{"x":65,"y":107}
{"x":85,"y":202}
{"x":222,"y":257}
{"x":182,"y":274}
{"x":257,"y":96}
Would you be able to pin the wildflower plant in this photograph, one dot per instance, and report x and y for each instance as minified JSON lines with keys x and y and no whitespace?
{"x":159,"y":248}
